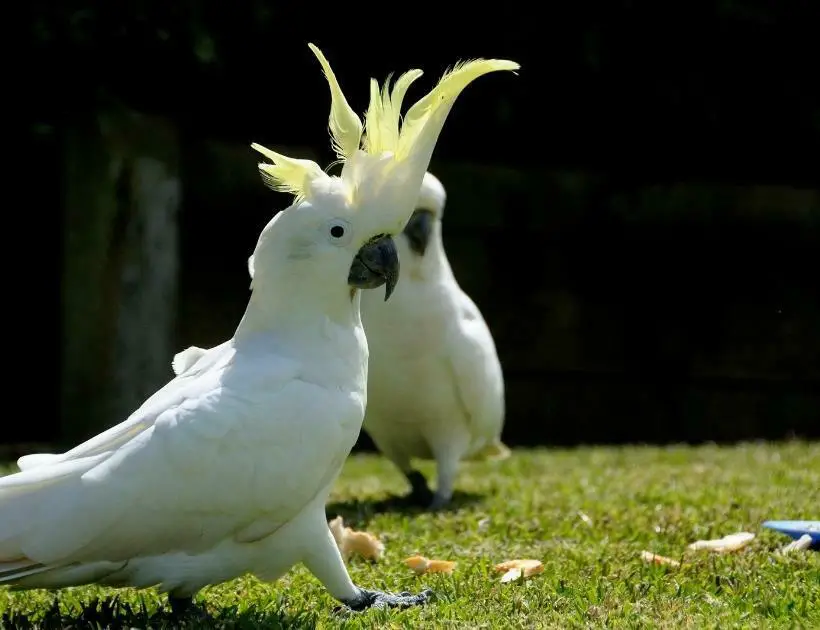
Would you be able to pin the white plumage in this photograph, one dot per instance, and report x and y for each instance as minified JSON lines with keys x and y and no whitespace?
{"x":227,"y":468}
{"x":436,"y":389}
{"x":188,"y":490}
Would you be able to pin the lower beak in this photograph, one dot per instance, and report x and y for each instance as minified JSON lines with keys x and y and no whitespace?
{"x":376,"y":263}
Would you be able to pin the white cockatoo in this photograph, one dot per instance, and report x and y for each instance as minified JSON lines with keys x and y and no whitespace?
{"x":436,"y":389}
{"x":226,"y":469}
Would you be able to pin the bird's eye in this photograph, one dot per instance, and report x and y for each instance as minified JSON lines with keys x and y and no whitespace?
{"x":339,"y":232}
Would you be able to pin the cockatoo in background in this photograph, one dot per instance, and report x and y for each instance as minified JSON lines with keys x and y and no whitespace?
{"x":436,"y":389}
{"x":226,"y":469}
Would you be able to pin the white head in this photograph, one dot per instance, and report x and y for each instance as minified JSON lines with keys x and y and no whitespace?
{"x":337,"y":235}
{"x":424,"y":226}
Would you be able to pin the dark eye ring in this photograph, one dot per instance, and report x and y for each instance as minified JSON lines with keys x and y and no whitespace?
{"x":337,"y":231}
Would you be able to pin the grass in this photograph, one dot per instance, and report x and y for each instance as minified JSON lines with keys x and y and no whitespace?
{"x":585,"y":513}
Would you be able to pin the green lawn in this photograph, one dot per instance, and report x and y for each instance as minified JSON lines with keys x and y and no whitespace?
{"x":533,"y":506}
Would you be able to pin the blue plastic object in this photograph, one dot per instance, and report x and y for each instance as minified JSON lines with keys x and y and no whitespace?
{"x":797,"y":529}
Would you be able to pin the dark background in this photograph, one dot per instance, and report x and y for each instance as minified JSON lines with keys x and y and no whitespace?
{"x":637,"y":213}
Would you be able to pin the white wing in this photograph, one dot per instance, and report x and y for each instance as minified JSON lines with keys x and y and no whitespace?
{"x":141,"y":418}
{"x":218,"y":452}
{"x":477,"y":375}
{"x":185,"y":359}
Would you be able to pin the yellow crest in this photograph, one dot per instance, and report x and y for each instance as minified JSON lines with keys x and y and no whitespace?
{"x":386,"y":141}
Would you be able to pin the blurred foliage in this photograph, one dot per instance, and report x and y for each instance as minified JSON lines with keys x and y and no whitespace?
{"x":603,"y":84}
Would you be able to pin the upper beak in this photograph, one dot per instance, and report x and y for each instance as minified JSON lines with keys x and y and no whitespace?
{"x":418,"y":230}
{"x":375,"y":264}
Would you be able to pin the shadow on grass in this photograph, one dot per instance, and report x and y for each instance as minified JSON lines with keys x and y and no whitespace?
{"x":358,"y":513}
{"x":112,"y":613}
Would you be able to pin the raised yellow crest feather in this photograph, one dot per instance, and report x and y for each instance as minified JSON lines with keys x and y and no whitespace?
{"x":287,"y":174}
{"x":345,"y":126}
{"x":443,"y":95}
{"x":384,"y":134}
{"x":384,"y":113}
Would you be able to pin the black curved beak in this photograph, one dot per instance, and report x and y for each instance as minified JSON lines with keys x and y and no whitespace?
{"x":376,"y":263}
{"x":418,"y":230}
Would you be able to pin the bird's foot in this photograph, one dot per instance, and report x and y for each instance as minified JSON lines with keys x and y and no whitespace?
{"x":438,"y":502}
{"x":185,"y":607}
{"x":420,"y":493}
{"x":378,"y":599}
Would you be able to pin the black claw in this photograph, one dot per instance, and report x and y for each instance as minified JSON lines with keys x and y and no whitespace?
{"x":438,"y":503}
{"x":420,"y":493}
{"x":184,"y":607}
{"x":378,"y":599}
{"x":180,"y":605}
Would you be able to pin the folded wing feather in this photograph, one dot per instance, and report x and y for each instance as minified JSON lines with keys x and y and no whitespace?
{"x":177,"y":475}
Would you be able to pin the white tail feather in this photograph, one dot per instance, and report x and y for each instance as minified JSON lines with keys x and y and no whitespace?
{"x":10,"y":572}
